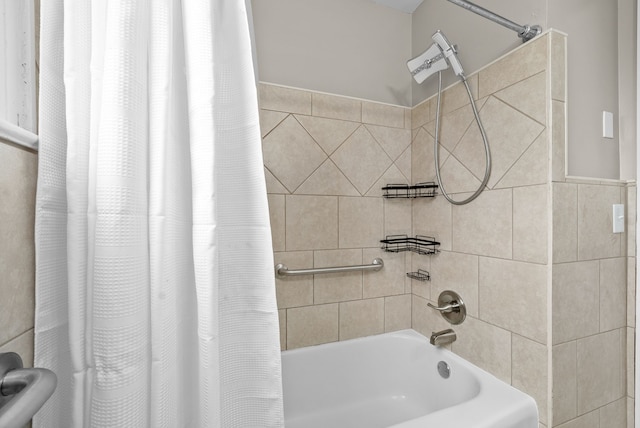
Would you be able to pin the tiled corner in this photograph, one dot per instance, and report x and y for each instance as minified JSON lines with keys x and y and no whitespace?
{"x":509,"y":289}
{"x":457,"y":272}
{"x":422,"y":164}
{"x":590,"y":420}
{"x":630,"y":220}
{"x":397,"y":216}
{"x":397,"y":312}
{"x":558,"y":140}
{"x":630,"y":345}
{"x":565,"y":222}
{"x":354,"y":232}
{"x":383,"y":114}
{"x":420,"y":114}
{"x":558,"y":66}
{"x":600,"y":373}
{"x":485,"y":345}
{"x":419,"y":288}
{"x":595,"y":237}
{"x":432,"y":217}
{"x":565,"y":394}
{"x":485,"y":226}
{"x":614,"y":415}
{"x":529,"y":371}
{"x":577,"y":283}
{"x":388,"y":281}
{"x":530,"y":223}
{"x":613,"y":290}
{"x":312,"y":325}
{"x":631,"y":291}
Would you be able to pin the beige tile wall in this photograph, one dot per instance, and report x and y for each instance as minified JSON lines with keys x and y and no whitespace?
{"x":18,"y":172}
{"x":534,"y":258}
{"x":326,"y":158}
{"x":495,"y":250}
{"x":631,"y":221}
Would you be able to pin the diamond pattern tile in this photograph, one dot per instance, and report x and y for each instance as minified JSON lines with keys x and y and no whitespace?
{"x":361,"y":159}
{"x":528,"y":96}
{"x":392,"y":140}
{"x":329,"y":133}
{"x":327,"y":180}
{"x":291,"y":154}
{"x":507,"y":142}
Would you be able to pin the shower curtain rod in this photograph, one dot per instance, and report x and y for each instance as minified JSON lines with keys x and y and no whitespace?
{"x":525,"y":32}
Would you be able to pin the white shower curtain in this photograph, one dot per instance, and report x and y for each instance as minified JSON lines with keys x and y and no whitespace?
{"x":155,"y":300}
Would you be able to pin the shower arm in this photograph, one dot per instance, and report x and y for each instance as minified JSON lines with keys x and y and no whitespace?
{"x":526,"y":32}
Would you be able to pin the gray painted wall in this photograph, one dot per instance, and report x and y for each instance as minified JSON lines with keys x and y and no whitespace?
{"x":592,"y":67}
{"x":479,"y":41}
{"x":348,"y":47}
{"x":359,"y":48}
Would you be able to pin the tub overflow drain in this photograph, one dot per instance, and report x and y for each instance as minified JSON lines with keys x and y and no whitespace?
{"x":444,"y":370}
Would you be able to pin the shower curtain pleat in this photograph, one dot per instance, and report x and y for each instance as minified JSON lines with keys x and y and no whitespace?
{"x":155,"y":297}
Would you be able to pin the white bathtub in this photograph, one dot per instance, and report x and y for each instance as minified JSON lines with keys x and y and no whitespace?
{"x":392,"y":380}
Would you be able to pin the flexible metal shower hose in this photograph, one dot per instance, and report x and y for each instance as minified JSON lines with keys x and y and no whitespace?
{"x":436,"y":151}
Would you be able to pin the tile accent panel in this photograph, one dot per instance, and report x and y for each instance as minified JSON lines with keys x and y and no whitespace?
{"x":326,"y":158}
{"x":17,"y":253}
{"x":533,"y":241}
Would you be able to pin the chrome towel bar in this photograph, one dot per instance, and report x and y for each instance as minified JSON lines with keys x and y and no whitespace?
{"x":282,"y":270}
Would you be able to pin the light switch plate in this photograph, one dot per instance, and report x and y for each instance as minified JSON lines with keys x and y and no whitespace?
{"x":618,"y":218}
{"x":607,"y":124}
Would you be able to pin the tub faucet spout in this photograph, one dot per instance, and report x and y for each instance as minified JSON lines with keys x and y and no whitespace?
{"x":444,"y":337}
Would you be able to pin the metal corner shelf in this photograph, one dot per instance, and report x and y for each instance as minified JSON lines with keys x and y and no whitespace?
{"x":420,"y":190}
{"x":419,"y":244}
{"x":420,"y":275}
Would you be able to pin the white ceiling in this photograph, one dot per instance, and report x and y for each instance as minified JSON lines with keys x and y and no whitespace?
{"x":406,"y":6}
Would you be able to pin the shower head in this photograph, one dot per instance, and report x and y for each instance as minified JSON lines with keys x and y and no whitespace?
{"x":438,"y":57}
{"x":450,"y":52}
{"x":428,"y":62}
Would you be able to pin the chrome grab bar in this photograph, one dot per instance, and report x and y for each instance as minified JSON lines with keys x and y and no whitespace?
{"x":22,"y":391}
{"x":283,"y":270}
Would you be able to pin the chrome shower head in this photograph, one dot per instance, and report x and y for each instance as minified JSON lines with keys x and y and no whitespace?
{"x":428,"y":62}
{"x":450,"y":52}
{"x":438,"y":57}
